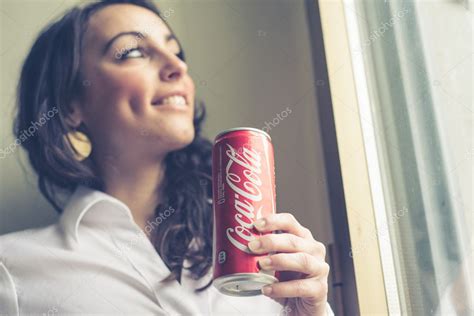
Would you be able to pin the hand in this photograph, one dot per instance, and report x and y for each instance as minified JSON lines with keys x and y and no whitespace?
{"x":303,"y":283}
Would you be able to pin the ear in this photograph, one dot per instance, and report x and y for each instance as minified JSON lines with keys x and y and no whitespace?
{"x":75,"y":116}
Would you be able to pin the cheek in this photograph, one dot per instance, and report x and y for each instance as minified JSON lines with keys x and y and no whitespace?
{"x":121,"y":92}
{"x":192,"y":87}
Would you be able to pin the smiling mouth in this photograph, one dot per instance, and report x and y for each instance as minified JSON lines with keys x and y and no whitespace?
{"x":174,"y":100}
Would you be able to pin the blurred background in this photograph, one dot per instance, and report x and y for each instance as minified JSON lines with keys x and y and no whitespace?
{"x":252,"y":65}
{"x":355,"y":94}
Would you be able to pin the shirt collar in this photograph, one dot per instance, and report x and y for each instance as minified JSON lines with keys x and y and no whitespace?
{"x":97,"y":205}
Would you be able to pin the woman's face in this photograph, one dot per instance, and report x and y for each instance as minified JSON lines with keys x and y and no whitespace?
{"x":138,"y":98}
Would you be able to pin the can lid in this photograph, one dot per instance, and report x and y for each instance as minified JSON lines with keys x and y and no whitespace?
{"x":243,"y":129}
{"x":243,"y":284}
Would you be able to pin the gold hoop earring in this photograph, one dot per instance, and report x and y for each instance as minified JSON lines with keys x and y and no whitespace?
{"x":80,"y":143}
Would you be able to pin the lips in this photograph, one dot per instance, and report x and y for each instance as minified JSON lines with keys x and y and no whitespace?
{"x":177,"y":99}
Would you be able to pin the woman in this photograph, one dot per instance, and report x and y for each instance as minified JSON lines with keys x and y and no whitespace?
{"x":123,"y":136}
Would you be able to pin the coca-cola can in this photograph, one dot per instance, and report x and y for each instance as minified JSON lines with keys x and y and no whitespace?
{"x":243,"y":175}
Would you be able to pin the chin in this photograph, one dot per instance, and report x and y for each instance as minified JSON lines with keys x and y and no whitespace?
{"x":176,"y":139}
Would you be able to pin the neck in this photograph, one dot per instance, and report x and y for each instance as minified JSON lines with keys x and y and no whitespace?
{"x":135,"y":183}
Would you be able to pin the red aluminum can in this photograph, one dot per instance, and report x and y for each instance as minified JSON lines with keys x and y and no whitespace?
{"x":243,"y":175}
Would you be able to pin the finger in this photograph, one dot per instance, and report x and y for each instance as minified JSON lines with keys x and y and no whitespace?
{"x":297,"y":288}
{"x":297,"y":262}
{"x":282,"y":243}
{"x":282,"y":221}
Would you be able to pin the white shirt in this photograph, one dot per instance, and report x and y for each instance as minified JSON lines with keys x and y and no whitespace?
{"x":96,"y":260}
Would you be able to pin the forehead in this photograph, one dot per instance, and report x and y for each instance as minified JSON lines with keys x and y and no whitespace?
{"x":117,"y":18}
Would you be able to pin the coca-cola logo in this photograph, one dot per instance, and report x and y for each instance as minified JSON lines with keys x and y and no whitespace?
{"x":242,"y":174}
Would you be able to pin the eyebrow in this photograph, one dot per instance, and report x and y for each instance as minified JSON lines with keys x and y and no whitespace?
{"x":140,"y":35}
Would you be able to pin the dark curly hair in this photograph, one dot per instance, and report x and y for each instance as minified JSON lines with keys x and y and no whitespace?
{"x":50,"y":79}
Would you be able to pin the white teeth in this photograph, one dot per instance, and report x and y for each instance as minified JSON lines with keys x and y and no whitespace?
{"x":175,"y":99}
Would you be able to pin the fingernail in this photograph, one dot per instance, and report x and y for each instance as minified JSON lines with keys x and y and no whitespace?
{"x":255,"y":244}
{"x":265,"y":263}
{"x":259,"y":223}
{"x":266,"y":290}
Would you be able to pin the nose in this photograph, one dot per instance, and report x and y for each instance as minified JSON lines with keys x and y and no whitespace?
{"x":173,"y":68}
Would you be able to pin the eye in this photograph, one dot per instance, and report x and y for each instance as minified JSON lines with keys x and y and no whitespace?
{"x":135,"y":52}
{"x":180,"y":55}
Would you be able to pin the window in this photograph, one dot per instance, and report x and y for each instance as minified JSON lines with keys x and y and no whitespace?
{"x":413,"y":70}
